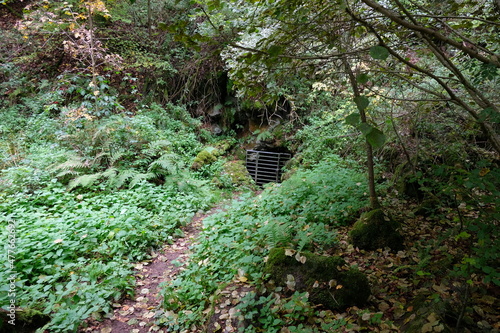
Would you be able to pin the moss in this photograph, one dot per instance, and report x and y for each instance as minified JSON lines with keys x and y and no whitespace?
{"x":352,"y":289}
{"x":238,"y":173}
{"x":27,"y":320}
{"x":204,"y":157}
{"x":222,"y":147}
{"x":314,"y":276}
{"x":375,"y":230}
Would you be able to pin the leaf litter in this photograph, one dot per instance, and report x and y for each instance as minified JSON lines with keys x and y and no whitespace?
{"x":397,"y":279}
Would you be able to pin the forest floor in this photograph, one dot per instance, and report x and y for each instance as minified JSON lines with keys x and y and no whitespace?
{"x":410,"y":288}
{"x":138,"y":315}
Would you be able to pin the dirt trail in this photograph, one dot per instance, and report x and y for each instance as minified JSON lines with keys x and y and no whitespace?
{"x":138,"y":315}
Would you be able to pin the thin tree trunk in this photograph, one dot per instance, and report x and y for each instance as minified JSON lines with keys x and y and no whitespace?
{"x":374,"y":203}
{"x":93,"y":60}
{"x":149,"y":17}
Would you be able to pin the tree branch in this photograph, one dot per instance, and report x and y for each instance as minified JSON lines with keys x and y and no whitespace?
{"x":395,"y":17}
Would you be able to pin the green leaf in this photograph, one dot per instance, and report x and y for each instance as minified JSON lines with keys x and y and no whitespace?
{"x":162,"y":26}
{"x":379,"y":52}
{"x":353,"y":119}
{"x":376,"y":138}
{"x":362,"y":78}
{"x":365,"y":128}
{"x":490,"y":115}
{"x":275,"y":50}
{"x":361,"y":102}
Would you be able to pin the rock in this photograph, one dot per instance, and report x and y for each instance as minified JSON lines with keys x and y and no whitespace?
{"x":237,"y":173}
{"x":204,"y":157}
{"x":320,"y":276}
{"x":26,"y":320}
{"x":376,"y":230}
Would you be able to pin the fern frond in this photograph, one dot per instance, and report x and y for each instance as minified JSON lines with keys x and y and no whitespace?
{"x":139,"y":177}
{"x":160,"y":144}
{"x":67,"y":172}
{"x":84,"y":180}
{"x":122,"y":178}
{"x":73,"y":163}
{"x":166,"y":162}
{"x":116,"y":156}
{"x":156,"y":147}
{"x":110,"y":173}
{"x":100,"y":156}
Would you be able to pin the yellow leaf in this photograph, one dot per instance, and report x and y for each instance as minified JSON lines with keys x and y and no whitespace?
{"x":242,"y":278}
{"x":432,"y":319}
{"x":439,"y":328}
{"x":426,"y":328}
{"x":484,"y":172}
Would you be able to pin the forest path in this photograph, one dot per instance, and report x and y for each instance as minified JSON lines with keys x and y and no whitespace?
{"x":138,"y":315}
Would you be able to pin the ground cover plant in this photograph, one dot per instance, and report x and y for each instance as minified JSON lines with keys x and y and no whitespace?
{"x":299,"y":214}
{"x":85,"y":198}
{"x":120,"y":119}
{"x":74,"y":252}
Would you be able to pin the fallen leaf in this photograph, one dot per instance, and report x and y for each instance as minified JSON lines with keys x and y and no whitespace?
{"x":441,"y":288}
{"x":290,"y":252}
{"x":301,"y":259}
{"x":439,"y":328}
{"x":132,"y":321}
{"x":290,"y":282}
{"x":383,"y":306}
{"x":148,"y":315}
{"x":426,"y":328}
{"x":432,"y":318}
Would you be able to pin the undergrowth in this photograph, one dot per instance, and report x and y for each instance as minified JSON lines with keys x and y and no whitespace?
{"x":299,"y":214}
{"x":74,"y":252}
{"x":75,"y":225}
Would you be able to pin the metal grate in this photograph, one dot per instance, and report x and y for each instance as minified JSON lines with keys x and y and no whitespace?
{"x":265,"y":166}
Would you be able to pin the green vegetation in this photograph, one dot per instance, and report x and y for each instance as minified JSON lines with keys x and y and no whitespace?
{"x":299,"y":214}
{"x":121,"y":120}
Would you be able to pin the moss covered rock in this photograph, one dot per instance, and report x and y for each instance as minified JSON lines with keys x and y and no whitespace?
{"x":204,"y":157}
{"x":324,"y":278}
{"x":237,"y":172}
{"x":374,"y":230}
{"x":210,"y":154}
{"x":26,"y":320}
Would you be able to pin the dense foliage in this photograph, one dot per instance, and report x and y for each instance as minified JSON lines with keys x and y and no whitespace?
{"x":119,"y":120}
{"x":300,"y":214}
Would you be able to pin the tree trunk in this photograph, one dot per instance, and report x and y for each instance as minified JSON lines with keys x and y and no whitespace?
{"x":374,"y":203}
